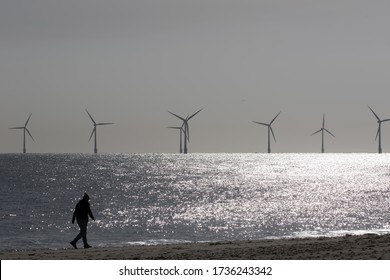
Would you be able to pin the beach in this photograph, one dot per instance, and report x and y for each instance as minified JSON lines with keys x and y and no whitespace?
{"x":348,"y":247}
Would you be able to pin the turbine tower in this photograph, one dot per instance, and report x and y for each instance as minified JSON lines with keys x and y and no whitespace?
{"x":379,"y":130}
{"x":95,"y":125}
{"x":270,"y":130}
{"x":180,"y":133}
{"x":186,"y":128}
{"x":25,"y":129}
{"x":322,"y":133}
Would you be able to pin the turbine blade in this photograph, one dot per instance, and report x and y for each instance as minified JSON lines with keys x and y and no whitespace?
{"x":272,"y":131}
{"x":385,"y":120}
{"x":176,"y":116}
{"x":174,"y":127}
{"x":28,"y":120}
{"x":20,"y":127}
{"x":104,"y":123}
{"x":377,"y":133}
{"x":329,"y":132}
{"x":93,"y":131}
{"x":316,"y":132}
{"x":188,"y":118}
{"x":30,"y":134}
{"x":90,"y":116}
{"x":374,"y":114}
{"x":274,"y":118}
{"x":188,"y":132}
{"x":323,"y":121}
{"x":266,"y":124}
{"x":184,"y":134}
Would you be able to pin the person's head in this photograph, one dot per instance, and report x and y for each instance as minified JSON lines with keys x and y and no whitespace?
{"x":85,"y":197}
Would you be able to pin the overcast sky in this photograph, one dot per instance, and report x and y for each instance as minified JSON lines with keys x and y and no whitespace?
{"x":130,"y":61}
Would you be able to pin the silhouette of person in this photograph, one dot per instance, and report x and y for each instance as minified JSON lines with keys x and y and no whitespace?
{"x":81,"y":213}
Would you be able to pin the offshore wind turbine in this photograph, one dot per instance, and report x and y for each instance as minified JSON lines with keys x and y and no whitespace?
{"x":322,"y":133}
{"x":180,"y":133}
{"x":25,"y":129}
{"x":270,"y":130}
{"x":94,"y":131}
{"x":186,"y":128}
{"x":379,"y":130}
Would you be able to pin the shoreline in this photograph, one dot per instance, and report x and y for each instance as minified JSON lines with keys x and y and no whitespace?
{"x":348,"y":247}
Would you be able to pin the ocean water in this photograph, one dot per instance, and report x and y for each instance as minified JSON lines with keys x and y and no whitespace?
{"x":171,"y":198}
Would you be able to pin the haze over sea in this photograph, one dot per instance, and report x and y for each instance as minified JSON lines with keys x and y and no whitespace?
{"x":171,"y":198}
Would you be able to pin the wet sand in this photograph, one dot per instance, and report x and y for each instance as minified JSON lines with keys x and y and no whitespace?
{"x":349,"y":247}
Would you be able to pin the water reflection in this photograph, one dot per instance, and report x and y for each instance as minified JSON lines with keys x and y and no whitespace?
{"x":198,"y":197}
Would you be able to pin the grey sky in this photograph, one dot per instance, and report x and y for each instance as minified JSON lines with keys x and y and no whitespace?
{"x":129,"y":62}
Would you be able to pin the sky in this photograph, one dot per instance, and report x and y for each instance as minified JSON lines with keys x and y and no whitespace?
{"x":131,"y":61}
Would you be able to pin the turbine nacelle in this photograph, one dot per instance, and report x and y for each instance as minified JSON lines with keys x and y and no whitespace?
{"x":185,"y":127}
{"x":270,"y":130}
{"x":322,"y":132}
{"x":378,"y":133}
{"x":94,"y":131}
{"x":25,"y":129}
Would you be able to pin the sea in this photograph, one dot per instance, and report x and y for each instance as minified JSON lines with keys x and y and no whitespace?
{"x":147,"y":199}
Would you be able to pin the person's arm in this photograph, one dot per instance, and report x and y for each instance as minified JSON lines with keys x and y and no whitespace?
{"x":90,"y":213}
{"x":76,"y":211}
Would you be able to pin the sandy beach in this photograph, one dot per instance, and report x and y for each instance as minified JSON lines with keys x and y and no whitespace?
{"x":349,"y":247}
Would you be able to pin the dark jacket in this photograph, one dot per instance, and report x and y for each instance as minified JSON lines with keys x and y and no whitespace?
{"x":82,"y":211}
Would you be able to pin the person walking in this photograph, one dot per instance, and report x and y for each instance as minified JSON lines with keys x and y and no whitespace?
{"x":81,"y":214}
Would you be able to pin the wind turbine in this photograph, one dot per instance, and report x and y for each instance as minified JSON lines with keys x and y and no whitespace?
{"x":181,"y":138}
{"x":95,"y":125}
{"x":270,"y":130}
{"x":24,"y":133}
{"x":379,"y":130}
{"x":186,"y":128}
{"x":322,"y":133}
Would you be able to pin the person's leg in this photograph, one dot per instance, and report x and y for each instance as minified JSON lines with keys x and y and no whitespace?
{"x":83,"y":232}
{"x":78,"y":237}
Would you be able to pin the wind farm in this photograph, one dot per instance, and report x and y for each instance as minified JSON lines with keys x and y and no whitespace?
{"x":270,"y":130}
{"x":186,"y":128}
{"x":25,"y":129}
{"x":94,"y":131}
{"x":379,"y":131}
{"x":184,"y":131}
{"x":322,"y":130}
